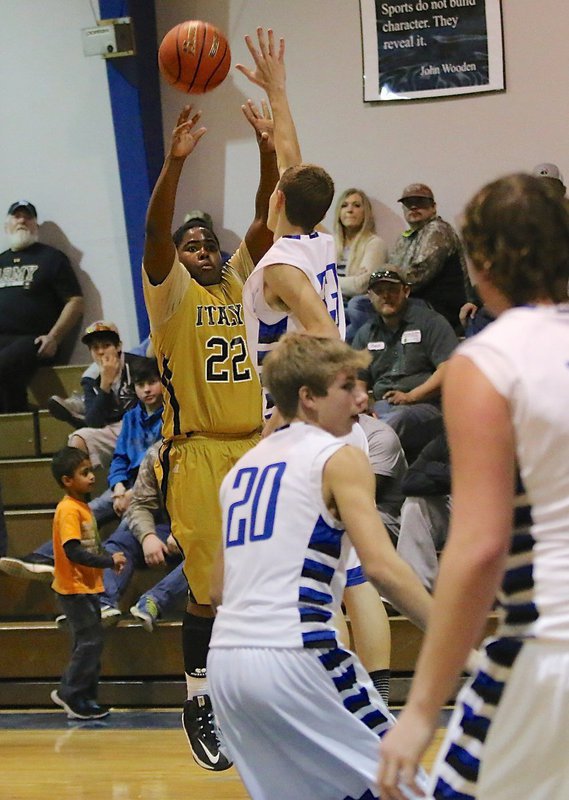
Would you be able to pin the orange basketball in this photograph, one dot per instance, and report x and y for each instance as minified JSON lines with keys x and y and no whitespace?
{"x":194,"y":57}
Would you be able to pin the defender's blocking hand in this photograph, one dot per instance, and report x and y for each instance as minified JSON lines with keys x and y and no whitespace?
{"x":269,"y":72}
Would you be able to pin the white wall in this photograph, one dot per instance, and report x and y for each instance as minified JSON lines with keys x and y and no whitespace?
{"x":58,"y":149}
{"x":455,"y":144}
{"x":58,"y":145}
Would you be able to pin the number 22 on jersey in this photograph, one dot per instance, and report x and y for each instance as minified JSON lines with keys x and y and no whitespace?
{"x":226,"y":360}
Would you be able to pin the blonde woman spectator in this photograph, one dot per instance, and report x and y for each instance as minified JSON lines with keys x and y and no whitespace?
{"x":360,"y":252}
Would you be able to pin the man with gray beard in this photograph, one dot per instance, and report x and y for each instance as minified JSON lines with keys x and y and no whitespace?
{"x":40,"y":303}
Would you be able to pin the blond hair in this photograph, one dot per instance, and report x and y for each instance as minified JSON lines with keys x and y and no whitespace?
{"x":300,"y":360}
{"x":358,"y":243}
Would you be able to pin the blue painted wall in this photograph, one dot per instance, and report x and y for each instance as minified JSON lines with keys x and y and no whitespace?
{"x":137,"y":120}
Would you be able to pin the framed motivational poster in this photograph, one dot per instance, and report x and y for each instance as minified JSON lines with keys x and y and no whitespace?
{"x":431,"y":48}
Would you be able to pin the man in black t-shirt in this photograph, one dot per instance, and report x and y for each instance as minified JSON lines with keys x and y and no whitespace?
{"x":40,"y":303}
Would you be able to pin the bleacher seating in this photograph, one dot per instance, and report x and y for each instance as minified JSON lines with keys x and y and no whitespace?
{"x":138,"y":668}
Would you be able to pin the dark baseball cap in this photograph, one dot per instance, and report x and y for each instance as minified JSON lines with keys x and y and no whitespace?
{"x":387,"y":275}
{"x":23,"y":204}
{"x":416,"y":190}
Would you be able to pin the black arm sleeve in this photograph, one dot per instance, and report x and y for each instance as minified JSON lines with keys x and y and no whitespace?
{"x":75,"y":551}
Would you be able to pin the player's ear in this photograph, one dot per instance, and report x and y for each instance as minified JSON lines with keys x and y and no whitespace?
{"x":280,"y":201}
{"x":306,"y":396}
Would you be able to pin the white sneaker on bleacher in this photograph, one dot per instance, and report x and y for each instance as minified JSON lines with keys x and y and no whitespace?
{"x":27,"y":569}
{"x":68,"y":409}
{"x":109,"y":617}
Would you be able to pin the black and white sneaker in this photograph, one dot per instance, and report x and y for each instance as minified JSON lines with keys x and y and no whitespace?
{"x":80,"y":709}
{"x":109,"y":617}
{"x":68,"y":409}
{"x":199,"y":726}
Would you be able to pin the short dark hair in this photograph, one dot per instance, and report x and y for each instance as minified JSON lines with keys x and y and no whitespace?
{"x":178,"y":234}
{"x":308,"y":192}
{"x":66,"y":461}
{"x":102,"y":338}
{"x":517,"y":229}
{"x":145,"y":369}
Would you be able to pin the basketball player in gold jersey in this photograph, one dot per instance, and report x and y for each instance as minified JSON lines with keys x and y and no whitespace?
{"x":212,"y":396}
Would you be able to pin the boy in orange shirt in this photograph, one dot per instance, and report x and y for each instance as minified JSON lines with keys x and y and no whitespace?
{"x":78,"y":580}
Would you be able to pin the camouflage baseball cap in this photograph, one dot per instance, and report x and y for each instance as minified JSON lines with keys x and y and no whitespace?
{"x":417,"y":190}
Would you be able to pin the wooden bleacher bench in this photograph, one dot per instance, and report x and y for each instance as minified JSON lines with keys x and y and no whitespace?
{"x":34,"y":651}
{"x":30,"y":601}
{"x":28,"y":483}
{"x":138,"y":668}
{"x":47,"y":381}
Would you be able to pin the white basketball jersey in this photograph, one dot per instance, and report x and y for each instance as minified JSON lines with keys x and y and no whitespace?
{"x":315,"y":255}
{"x":525,"y":355}
{"x":282,"y":547}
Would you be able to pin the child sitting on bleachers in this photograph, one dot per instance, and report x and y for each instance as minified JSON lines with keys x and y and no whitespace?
{"x":141,"y":427}
{"x":107,"y":395}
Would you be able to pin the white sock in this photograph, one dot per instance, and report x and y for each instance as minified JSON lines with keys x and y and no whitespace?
{"x":195,"y":686}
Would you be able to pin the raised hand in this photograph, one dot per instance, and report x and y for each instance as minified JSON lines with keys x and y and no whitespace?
{"x":262,"y":123}
{"x":110,"y":367}
{"x":184,"y":137}
{"x":269,"y":72}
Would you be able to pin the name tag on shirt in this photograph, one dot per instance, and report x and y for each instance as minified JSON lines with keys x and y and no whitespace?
{"x":410,"y":337}
{"x":376,"y":345}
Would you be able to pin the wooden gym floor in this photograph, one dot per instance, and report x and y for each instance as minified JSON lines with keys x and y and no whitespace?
{"x":132,"y":755}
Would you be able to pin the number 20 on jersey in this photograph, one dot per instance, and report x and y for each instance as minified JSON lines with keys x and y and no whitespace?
{"x":251,"y":516}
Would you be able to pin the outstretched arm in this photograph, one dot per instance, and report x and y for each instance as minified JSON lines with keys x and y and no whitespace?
{"x":269,"y":74}
{"x":259,"y":238}
{"x":158,"y":245}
